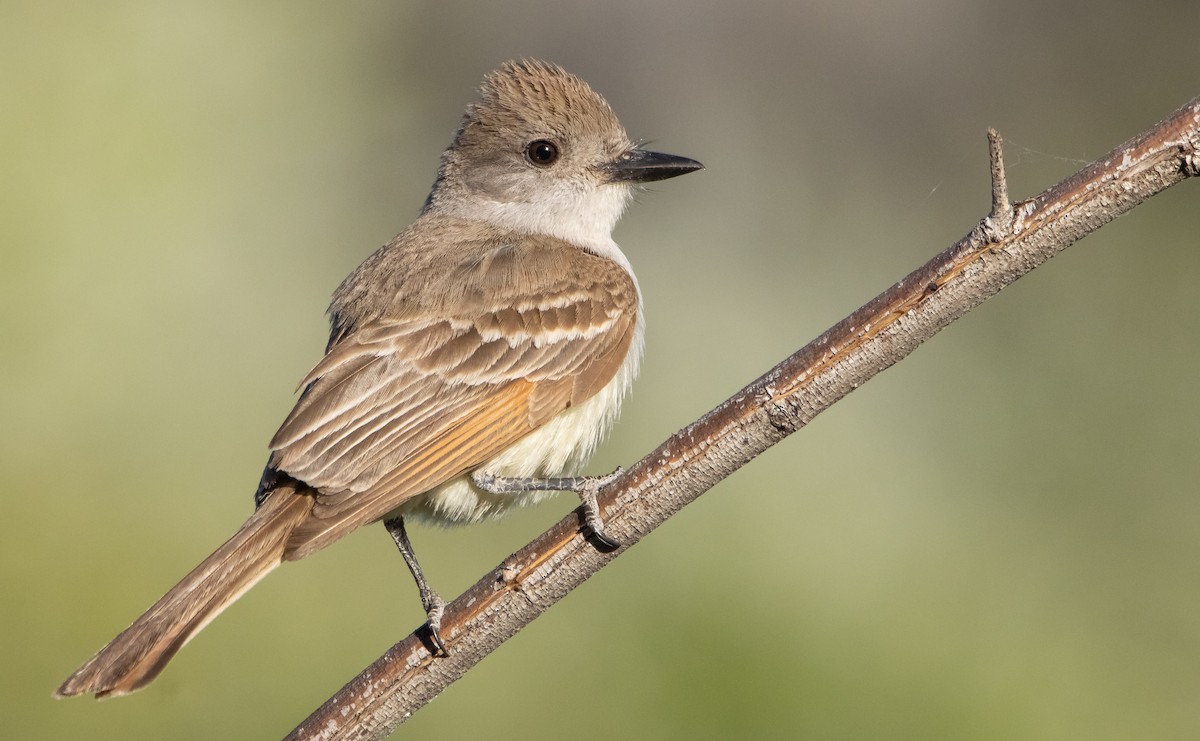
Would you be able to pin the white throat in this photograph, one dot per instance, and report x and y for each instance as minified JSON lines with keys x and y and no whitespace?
{"x":582,"y":216}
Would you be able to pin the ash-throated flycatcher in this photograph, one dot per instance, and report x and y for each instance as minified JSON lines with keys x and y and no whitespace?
{"x":489,"y":343}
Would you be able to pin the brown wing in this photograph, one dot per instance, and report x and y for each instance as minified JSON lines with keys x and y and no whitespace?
{"x":406,"y":401}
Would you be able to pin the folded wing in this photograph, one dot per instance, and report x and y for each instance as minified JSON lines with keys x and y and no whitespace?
{"x":416,"y":396}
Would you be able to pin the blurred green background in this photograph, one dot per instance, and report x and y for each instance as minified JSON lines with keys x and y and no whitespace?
{"x":996,"y":539}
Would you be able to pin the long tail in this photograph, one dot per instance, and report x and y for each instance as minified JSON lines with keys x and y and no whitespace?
{"x":135,"y":657}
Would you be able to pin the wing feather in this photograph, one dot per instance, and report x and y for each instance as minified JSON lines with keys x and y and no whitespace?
{"x":463,"y":362}
{"x":450,"y":452}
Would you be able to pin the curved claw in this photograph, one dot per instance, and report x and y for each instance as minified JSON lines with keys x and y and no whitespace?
{"x":591,"y":511}
{"x":606,"y":542}
{"x":434,"y":612}
{"x":436,"y":637}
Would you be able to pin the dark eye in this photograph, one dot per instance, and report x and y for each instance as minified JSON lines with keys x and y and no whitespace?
{"x":542,"y":153}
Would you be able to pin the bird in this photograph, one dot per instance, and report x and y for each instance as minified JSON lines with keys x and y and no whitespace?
{"x":474,"y":361}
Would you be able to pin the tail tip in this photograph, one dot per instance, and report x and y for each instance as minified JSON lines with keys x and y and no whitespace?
{"x":77,"y":685}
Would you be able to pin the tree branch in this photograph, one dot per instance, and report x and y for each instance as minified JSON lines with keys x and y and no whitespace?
{"x":1010,"y":242}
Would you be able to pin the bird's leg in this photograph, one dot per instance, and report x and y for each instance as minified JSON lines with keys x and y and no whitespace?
{"x":587,"y":487}
{"x":434,"y":605}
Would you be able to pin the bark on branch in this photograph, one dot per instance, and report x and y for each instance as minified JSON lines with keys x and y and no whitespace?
{"x":1012,"y":240}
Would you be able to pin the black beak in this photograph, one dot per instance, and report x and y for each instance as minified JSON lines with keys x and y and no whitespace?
{"x":640,"y":166}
